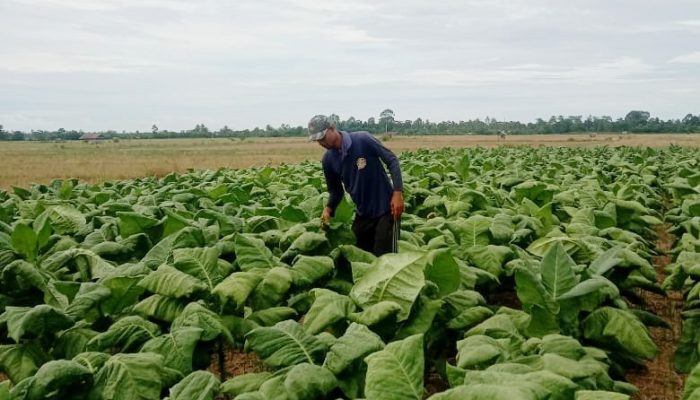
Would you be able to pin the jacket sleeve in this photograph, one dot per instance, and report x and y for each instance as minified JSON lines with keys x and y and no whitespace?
{"x":335,"y":186}
{"x":391,"y":161}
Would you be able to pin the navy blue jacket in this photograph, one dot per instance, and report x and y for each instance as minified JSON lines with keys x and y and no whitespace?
{"x":358,"y":167}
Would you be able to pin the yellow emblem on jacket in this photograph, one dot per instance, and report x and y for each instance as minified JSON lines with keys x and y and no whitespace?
{"x":361,"y":163}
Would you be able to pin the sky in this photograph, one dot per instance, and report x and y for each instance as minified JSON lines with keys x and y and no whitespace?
{"x":129,"y":64}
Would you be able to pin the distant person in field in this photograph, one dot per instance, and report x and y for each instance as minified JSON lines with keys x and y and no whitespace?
{"x":353,"y":163}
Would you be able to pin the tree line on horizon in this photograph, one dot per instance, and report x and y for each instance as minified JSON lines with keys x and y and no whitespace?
{"x":387,"y":123}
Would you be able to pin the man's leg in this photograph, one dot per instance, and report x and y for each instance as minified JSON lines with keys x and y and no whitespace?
{"x":384,"y":235}
{"x":364,"y":230}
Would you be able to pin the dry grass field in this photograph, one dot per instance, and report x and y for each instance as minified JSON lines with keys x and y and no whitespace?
{"x":23,"y":163}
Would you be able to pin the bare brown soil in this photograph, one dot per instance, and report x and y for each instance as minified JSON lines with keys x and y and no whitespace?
{"x":236,"y":362}
{"x":660,"y":381}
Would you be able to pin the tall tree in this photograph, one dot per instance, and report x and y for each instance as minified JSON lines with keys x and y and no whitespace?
{"x":636,"y":119}
{"x":386,"y":117}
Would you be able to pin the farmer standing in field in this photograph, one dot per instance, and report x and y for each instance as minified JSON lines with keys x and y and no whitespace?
{"x":353,"y":163}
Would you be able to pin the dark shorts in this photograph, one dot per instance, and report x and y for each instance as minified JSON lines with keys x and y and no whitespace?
{"x":375,"y":235}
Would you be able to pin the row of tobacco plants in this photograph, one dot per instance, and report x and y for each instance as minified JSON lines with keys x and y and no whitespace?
{"x":517,"y":278}
{"x":683,"y":190}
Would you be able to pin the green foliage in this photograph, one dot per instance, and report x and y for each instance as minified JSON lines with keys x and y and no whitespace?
{"x":128,"y":289}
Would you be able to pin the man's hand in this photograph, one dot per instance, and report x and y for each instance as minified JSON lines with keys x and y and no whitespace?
{"x":326,"y":217}
{"x":397,"y":205}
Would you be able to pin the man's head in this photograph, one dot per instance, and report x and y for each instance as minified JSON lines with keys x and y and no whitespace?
{"x":323,"y":131}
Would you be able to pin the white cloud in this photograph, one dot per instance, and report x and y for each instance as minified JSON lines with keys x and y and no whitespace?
{"x":690,"y":58}
{"x":617,"y":70}
{"x":253,"y":62}
{"x":61,"y":63}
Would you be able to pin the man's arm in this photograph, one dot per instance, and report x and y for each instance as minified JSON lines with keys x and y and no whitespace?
{"x":391,"y":161}
{"x":335,"y":188}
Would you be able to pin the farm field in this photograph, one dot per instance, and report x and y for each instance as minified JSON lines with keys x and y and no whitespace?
{"x":23,"y":163}
{"x":534,"y":273}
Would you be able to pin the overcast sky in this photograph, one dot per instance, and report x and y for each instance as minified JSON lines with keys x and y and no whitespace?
{"x":127,"y":64}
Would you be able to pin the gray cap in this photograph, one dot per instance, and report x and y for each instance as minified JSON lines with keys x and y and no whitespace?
{"x":318,"y":126}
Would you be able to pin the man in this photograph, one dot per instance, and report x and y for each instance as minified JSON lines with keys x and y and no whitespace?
{"x":353,"y":163}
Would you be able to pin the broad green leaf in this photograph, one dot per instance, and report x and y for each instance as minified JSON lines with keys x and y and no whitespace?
{"x":58,"y":375}
{"x":489,"y":258}
{"x":308,"y":381}
{"x":472,"y":231}
{"x":195,"y":315}
{"x":543,"y":245}
{"x":542,"y":322}
{"x":397,"y":371}
{"x":456,"y":208}
{"x":307,"y":270}
{"x":565,"y":346}
{"x":171,"y":282}
{"x":691,"y":391}
{"x":41,"y":320}
{"x":505,"y":324}
{"x":272,"y":315}
{"x":129,"y":377}
{"x":327,"y":308}
{"x":123,"y":285}
{"x":622,"y":328}
{"x":357,"y":342}
{"x":24,"y":241}
{"x":443,"y":270}
{"x":531,"y":290}
{"x":479,"y":351}
{"x":66,"y":220}
{"x":604,"y":262}
{"x":159,"y":307}
{"x":600,"y":395}
{"x":472,"y":378}
{"x":273,"y":388}
{"x":469,"y":317}
{"x":127,"y":333}
{"x":73,"y":341}
{"x":273,"y":288}
{"x":93,"y":361}
{"x":572,"y":369}
{"x":462,"y":300}
{"x":21,"y":361}
{"x":199,"y":385}
{"x":421,"y":319}
{"x":21,"y":275}
{"x":251,"y":252}
{"x":485,"y":391}
{"x":284,"y":344}
{"x":306,"y":243}
{"x":5,"y":390}
{"x":557,"y":271}
{"x":238,"y":286}
{"x":502,"y":228}
{"x":131,"y":223}
{"x":588,"y":286}
{"x":202,"y":263}
{"x":177,"y":348}
{"x":394,"y":277}
{"x":561,"y":388}
{"x":245,"y":383}
{"x":88,"y":298}
{"x":87,"y":264}
{"x":376,"y":313}
{"x":686,"y":356}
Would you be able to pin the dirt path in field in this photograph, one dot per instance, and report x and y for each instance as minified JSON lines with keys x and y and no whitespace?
{"x":660,"y":381}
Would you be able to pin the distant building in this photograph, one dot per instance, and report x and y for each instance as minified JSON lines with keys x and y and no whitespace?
{"x":91,"y":137}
